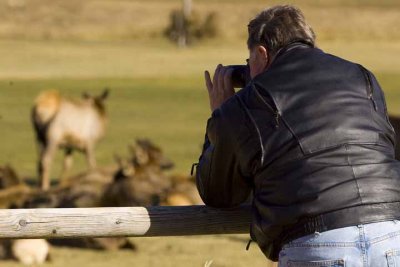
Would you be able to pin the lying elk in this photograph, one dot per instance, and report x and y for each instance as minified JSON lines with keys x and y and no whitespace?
{"x":67,"y":124}
{"x":141,"y":179}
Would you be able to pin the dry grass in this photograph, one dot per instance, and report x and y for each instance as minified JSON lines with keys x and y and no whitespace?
{"x":134,"y":20}
{"x":224,"y":251}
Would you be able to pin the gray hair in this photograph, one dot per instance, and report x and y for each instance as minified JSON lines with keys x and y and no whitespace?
{"x":277,"y":27}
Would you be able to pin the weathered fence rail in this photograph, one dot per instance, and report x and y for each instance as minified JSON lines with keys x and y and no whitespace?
{"x":125,"y":221}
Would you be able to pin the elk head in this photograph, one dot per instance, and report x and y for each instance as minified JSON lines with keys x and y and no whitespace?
{"x":97,"y":101}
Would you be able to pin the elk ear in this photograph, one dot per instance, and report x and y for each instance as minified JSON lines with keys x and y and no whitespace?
{"x":105,"y":93}
{"x":85,"y":95}
{"x":126,"y":168}
{"x":141,"y":155}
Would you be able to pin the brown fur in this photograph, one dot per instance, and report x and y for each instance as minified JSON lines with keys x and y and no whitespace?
{"x":183,"y":192}
{"x":177,"y":199}
{"x":140,"y":180}
{"x":47,"y":105}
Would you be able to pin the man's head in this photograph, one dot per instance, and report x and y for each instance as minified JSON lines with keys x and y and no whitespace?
{"x":273,"y":29}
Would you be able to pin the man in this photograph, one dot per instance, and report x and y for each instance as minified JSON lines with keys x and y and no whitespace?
{"x":310,"y":137}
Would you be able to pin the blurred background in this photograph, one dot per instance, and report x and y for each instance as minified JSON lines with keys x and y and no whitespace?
{"x":154,"y":70}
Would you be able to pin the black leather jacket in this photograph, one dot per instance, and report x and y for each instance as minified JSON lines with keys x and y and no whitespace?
{"x":310,"y":137}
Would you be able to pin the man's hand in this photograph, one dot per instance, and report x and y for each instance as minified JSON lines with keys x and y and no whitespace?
{"x":220,"y":88}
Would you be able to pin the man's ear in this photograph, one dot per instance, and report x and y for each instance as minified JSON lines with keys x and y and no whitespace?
{"x":262,"y":56}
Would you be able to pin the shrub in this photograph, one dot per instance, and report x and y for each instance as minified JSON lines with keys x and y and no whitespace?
{"x":185,"y":30}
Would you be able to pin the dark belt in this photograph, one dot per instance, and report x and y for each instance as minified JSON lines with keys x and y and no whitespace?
{"x":352,"y":216}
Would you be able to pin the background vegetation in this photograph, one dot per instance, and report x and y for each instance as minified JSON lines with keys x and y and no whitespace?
{"x":157,"y":89}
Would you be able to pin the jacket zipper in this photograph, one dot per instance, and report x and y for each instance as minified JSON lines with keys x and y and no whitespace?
{"x":274,"y":109}
{"x":371,"y":96}
{"x":370,"y":89}
{"x":371,"y":93}
{"x":255,"y":126}
{"x":277,"y":115}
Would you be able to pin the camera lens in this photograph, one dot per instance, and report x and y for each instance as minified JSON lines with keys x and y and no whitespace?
{"x":240,"y":75}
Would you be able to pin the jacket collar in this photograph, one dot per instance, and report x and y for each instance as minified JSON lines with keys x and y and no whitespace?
{"x":283,"y":51}
{"x":291,"y":46}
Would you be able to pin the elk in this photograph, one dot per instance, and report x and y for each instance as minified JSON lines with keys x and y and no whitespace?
{"x":140,"y":180}
{"x":30,"y":251}
{"x":61,"y":123}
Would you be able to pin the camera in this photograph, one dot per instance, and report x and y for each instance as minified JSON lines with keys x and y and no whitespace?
{"x":240,"y":75}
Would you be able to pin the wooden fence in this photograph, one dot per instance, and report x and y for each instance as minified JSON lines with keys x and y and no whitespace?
{"x":125,"y":221}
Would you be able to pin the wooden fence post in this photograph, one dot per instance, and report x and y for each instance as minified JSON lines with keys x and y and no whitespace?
{"x":123,"y":221}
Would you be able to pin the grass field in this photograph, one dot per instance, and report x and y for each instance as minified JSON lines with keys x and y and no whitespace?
{"x":157,"y":90}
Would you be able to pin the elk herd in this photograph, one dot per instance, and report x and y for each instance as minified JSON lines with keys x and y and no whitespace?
{"x":69,"y":125}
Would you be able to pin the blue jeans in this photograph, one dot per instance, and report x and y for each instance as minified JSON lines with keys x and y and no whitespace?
{"x":372,"y":245}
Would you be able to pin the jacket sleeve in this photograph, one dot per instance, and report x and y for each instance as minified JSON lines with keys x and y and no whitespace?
{"x":220,"y":178}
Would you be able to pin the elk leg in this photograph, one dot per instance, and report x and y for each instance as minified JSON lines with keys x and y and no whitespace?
{"x":90,"y":158}
{"x":40,"y":149}
{"x":67,"y":164}
{"x":45,"y":165}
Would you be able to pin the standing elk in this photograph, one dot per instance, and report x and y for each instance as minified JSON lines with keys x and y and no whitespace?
{"x":69,"y":125}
